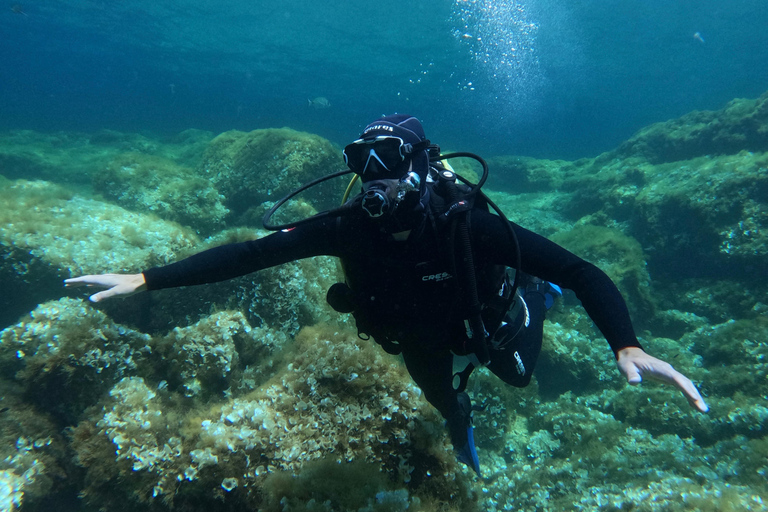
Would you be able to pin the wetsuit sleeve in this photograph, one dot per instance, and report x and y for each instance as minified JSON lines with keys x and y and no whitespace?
{"x":545,"y":259}
{"x":238,"y":259}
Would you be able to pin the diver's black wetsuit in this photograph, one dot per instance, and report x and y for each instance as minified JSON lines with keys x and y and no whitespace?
{"x":405,"y":290}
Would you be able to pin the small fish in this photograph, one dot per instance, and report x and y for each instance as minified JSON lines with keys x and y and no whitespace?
{"x":319,"y":103}
{"x":5,"y":409}
{"x":697,"y":36}
{"x":18,"y":10}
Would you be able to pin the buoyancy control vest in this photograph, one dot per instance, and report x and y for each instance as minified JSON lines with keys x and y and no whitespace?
{"x":387,"y":320}
{"x":408,"y":294}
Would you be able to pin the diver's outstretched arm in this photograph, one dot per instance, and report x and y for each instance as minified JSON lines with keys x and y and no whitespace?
{"x":635,"y":364}
{"x":118,"y":285}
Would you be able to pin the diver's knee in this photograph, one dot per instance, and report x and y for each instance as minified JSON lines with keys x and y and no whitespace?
{"x":516,"y":380}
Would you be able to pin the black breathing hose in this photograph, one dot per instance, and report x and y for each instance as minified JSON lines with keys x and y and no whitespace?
{"x":476,"y":333}
{"x":277,"y":227}
{"x":475,"y":189}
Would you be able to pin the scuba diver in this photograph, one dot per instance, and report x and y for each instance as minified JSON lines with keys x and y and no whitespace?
{"x":428,"y":275}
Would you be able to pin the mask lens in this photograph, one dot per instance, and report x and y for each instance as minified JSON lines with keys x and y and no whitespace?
{"x":385,"y":151}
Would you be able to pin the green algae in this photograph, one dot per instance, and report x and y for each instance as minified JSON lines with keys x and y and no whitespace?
{"x":84,"y":236}
{"x":618,"y":255}
{"x":157,"y":185}
{"x":264,"y":165}
{"x":272,"y":433}
{"x":74,"y":158}
{"x":741,"y":125}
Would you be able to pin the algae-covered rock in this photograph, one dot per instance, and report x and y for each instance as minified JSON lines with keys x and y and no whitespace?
{"x":66,"y":354}
{"x":264,"y":165}
{"x":47,"y":233}
{"x":735,"y":354}
{"x":154,"y":184}
{"x":207,"y":357}
{"x":84,"y":236}
{"x":520,"y":174}
{"x":575,"y":355}
{"x":74,"y":158}
{"x":33,"y":454}
{"x":618,"y":255}
{"x":535,"y":211}
{"x":715,"y":299}
{"x":741,"y":125}
{"x":692,"y":189}
{"x":572,"y":453}
{"x":713,"y":211}
{"x":66,"y":157}
{"x":327,"y":485}
{"x":339,"y":400}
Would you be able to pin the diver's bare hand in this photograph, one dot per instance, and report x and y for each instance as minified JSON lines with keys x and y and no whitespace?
{"x":635,"y":364}
{"x":118,"y":285}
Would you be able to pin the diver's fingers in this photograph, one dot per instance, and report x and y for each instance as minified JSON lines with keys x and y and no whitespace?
{"x":118,"y":285}
{"x":635,"y":364}
{"x":665,"y":373}
{"x":90,"y":281}
{"x":633,"y":376}
{"x":102,"y":280}
{"x":106,"y":294}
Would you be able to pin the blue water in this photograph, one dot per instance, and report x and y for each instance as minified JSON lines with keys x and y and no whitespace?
{"x":547,"y":78}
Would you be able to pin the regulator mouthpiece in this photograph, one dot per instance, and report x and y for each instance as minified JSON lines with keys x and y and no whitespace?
{"x":382,"y":197}
{"x":375,"y":202}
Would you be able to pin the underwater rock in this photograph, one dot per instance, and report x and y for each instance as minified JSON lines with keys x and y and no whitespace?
{"x":84,"y":236}
{"x":618,"y":255}
{"x":741,"y":126}
{"x":47,"y":233}
{"x":714,"y":299}
{"x":713,"y":211}
{"x":735,"y":355}
{"x":536,"y":211}
{"x":572,"y":455}
{"x":33,"y":454}
{"x":204,"y":358}
{"x":339,"y":399}
{"x":574,"y":356}
{"x":710,"y":210}
{"x":689,"y":190}
{"x":61,"y":156}
{"x":74,"y":158}
{"x":66,"y":355}
{"x":156,"y":185}
{"x":520,"y":174}
{"x":264,"y":165}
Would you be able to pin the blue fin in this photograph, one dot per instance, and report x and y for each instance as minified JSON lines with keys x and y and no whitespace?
{"x":468,"y":454}
{"x":553,"y":292}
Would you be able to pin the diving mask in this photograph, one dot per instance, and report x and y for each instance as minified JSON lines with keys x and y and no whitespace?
{"x":379,"y":156}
